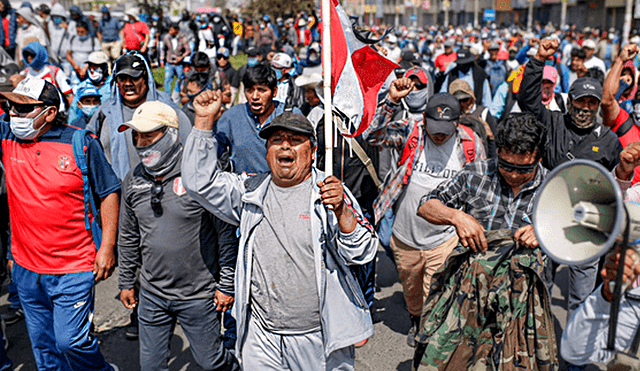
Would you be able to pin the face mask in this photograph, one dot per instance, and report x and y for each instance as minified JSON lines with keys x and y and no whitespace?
{"x":547,"y":94}
{"x":22,"y":127}
{"x":192,"y":96}
{"x":83,"y":38}
{"x":106,"y":16}
{"x":131,"y":21}
{"x":203,"y":26}
{"x":252,"y":62}
{"x":56,"y":20}
{"x":89,"y":110}
{"x":417,"y":100}
{"x":262,"y":27}
{"x":278,"y":74}
{"x":95,"y":75}
{"x":160,"y":157}
{"x":25,"y":26}
{"x":583,"y":118}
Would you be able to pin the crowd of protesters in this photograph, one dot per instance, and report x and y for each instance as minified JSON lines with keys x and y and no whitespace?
{"x":205,"y":188}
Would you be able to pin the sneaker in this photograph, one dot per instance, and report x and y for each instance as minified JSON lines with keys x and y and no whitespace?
{"x":114,"y":367}
{"x":131,"y":331}
{"x":413,"y":331}
{"x":12,"y":316}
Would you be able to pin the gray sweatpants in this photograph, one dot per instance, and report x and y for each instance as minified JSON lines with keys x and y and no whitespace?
{"x":264,"y":350}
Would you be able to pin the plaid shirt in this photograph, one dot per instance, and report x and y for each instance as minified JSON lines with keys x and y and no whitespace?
{"x":480,"y":191}
{"x":171,"y":55}
{"x":384,"y":132}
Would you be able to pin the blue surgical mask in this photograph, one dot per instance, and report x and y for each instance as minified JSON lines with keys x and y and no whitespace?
{"x":89,"y":110}
{"x":83,"y":38}
{"x":252,"y":62}
{"x":203,"y":26}
{"x":57,"y":20}
{"x":262,"y":27}
{"x":25,"y":26}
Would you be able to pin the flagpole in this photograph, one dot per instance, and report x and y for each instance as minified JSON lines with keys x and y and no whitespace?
{"x":326,"y":65}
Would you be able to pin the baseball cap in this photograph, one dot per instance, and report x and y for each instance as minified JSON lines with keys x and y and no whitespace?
{"x":252,"y":51}
{"x":461,"y":89}
{"x":585,"y":87}
{"x":223,"y":52}
{"x":308,"y":80}
{"x":281,"y":60}
{"x":420,"y":74}
{"x":449,"y":43}
{"x":131,"y":65}
{"x":589,"y":44}
{"x":98,"y":58}
{"x":550,"y":73}
{"x":150,"y":116}
{"x":465,"y":57}
{"x":443,"y":110}
{"x":290,"y":121}
{"x":34,"y":91}
{"x":494,"y":46}
{"x":88,"y":91}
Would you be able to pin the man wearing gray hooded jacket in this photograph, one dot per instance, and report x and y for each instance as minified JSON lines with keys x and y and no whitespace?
{"x":298,"y":306}
{"x":133,"y":86}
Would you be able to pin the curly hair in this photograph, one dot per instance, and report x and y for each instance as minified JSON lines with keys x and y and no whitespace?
{"x":521,"y":133}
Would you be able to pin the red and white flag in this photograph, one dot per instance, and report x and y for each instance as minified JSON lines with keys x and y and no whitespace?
{"x":357,"y":72}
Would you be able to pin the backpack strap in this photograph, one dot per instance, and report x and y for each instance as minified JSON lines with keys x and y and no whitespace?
{"x":469,"y":146}
{"x":80,"y":155}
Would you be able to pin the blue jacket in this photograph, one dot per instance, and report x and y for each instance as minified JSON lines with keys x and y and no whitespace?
{"x":238,"y":199}
{"x":237,"y":130}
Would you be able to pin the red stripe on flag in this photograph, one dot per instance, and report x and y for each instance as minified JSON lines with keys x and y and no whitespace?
{"x":339,"y":50}
{"x":372,"y":70}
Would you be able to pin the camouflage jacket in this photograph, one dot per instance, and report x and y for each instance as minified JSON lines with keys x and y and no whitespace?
{"x":489,"y":311}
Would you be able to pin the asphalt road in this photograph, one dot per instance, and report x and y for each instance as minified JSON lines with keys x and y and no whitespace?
{"x":386,"y":350}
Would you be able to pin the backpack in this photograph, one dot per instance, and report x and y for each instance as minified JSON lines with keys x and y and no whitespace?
{"x":80,"y":155}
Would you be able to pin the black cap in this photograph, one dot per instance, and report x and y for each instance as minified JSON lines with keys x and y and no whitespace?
{"x":585,"y":87}
{"x":200,"y":59}
{"x":290,"y":121}
{"x":465,"y":56}
{"x":443,"y":110}
{"x":252,"y":51}
{"x":130,"y":65}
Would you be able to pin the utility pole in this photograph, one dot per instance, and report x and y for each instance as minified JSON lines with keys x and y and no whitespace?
{"x":476,"y":10}
{"x":628,"y":14}
{"x":530,"y":20}
{"x":445,"y":5}
{"x":563,"y":14}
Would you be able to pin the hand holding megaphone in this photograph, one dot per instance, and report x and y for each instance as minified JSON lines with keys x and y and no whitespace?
{"x":610,"y":271}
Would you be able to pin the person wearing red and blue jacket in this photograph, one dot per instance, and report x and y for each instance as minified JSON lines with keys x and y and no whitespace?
{"x":56,"y":261}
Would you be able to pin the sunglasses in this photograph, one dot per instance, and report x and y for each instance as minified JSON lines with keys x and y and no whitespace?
{"x":156,"y":195}
{"x":21,"y":109}
{"x":521,"y":169}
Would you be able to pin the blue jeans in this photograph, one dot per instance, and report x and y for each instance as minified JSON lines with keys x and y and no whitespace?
{"x":58,"y":311}
{"x":171,"y":70}
{"x":199,"y":320}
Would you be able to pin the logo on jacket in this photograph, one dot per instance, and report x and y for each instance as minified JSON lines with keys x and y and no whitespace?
{"x":64,"y":162}
{"x":178,"y":189}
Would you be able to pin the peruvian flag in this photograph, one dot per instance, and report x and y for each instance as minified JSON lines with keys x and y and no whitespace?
{"x":357,"y":72}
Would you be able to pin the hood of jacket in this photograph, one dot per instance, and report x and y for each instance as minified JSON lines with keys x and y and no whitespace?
{"x":58,"y":10}
{"x":41,"y":58}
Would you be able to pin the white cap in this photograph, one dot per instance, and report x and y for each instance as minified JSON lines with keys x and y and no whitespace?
{"x":281,"y":60}
{"x":589,"y":44}
{"x":308,"y":80}
{"x":132,"y":12}
{"x":98,"y":58}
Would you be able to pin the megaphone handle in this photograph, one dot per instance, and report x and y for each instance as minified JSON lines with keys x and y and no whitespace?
{"x":617,"y":292}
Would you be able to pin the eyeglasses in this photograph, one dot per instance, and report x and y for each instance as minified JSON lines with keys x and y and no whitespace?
{"x":221,"y":57}
{"x":521,"y":169}
{"x":156,"y":195}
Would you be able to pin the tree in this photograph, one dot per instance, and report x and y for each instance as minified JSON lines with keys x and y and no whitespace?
{"x":280,"y":8}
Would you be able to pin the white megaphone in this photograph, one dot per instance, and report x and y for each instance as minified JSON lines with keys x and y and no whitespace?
{"x":580,"y":214}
